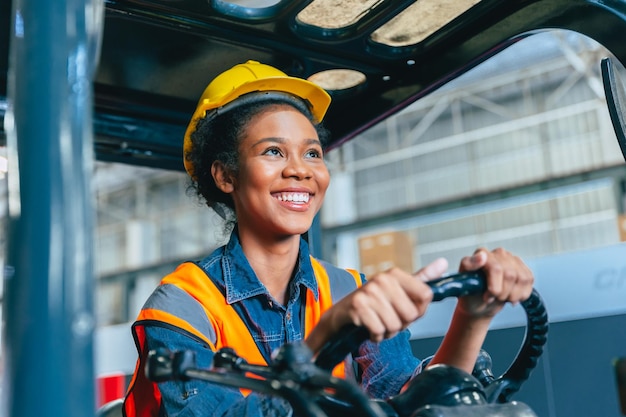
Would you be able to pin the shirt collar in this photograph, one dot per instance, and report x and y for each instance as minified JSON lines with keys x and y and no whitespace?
{"x":240,"y":280}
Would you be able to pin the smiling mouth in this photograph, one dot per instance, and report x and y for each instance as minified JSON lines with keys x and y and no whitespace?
{"x":293,"y":197}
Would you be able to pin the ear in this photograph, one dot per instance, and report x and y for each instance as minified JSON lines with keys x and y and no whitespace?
{"x":222,"y":177}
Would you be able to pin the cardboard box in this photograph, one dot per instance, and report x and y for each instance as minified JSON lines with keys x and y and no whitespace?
{"x":621,"y":224}
{"x":382,"y":251}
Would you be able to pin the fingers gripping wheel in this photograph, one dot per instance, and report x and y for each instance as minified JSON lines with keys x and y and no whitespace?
{"x":351,"y":337}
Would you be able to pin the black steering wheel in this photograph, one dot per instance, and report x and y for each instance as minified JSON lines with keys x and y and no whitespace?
{"x":494,"y":390}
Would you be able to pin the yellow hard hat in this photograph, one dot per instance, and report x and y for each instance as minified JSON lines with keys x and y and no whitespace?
{"x":247,"y":78}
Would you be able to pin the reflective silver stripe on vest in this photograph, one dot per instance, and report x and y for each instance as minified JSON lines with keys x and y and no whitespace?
{"x":171,"y":299}
{"x":341,"y":281}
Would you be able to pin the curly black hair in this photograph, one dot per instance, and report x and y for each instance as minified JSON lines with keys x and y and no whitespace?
{"x":216,"y":138}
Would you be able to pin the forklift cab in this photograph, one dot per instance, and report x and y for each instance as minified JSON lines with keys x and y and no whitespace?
{"x":117,"y":81}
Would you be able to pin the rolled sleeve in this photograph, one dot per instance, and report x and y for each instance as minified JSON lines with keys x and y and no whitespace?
{"x":386,"y":366}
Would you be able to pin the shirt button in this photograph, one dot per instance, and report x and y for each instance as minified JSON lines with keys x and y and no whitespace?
{"x":269,"y":302}
{"x":288,"y":316}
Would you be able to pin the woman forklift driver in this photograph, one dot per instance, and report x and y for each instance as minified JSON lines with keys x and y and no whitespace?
{"x":254,"y":151}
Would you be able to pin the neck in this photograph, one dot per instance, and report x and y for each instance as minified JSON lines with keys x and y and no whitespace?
{"x":273,"y":262}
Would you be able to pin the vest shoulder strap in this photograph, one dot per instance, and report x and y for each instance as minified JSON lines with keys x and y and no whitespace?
{"x":342,"y":281}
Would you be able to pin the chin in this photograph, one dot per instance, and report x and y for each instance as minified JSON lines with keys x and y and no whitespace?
{"x":292,"y":226}
{"x":299,"y":231}
{"x":296,"y":230}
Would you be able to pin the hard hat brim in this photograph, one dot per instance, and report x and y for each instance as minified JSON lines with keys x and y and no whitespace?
{"x":316,"y":95}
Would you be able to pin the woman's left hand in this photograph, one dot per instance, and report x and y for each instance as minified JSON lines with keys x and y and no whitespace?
{"x":508,"y":280}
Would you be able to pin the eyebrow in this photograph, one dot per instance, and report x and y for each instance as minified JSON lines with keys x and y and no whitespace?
{"x":310,"y":141}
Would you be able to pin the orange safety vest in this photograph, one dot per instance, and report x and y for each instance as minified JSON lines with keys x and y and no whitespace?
{"x":200,"y":309}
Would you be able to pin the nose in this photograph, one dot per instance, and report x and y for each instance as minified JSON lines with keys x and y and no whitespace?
{"x":297,"y":168}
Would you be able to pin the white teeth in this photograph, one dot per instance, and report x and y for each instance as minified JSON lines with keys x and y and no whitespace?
{"x":294,"y":197}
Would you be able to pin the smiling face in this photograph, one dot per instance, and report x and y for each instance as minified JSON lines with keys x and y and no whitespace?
{"x":282,"y":176}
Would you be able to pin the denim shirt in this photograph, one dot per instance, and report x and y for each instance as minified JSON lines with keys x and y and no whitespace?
{"x":383,"y":367}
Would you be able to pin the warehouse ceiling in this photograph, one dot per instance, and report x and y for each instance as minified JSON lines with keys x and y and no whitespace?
{"x":374,"y":56}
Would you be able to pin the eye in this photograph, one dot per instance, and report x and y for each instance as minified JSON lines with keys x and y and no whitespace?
{"x":313,"y":153}
{"x":273,"y":151}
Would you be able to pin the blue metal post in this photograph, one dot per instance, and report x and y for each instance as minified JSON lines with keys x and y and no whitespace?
{"x":48,"y":298}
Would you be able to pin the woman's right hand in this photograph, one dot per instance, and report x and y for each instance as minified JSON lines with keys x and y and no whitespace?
{"x":387,"y":303}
